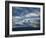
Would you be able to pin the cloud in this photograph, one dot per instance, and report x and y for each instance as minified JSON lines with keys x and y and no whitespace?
{"x":17,"y":21}
{"x":31,"y":14}
{"x":21,"y":19}
{"x":25,"y":15}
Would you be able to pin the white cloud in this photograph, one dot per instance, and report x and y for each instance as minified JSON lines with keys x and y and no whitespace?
{"x":17,"y":19}
{"x":16,"y":16}
{"x":31,"y":14}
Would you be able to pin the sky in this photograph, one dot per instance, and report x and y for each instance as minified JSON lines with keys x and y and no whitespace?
{"x":21,"y":11}
{"x":20,"y":14}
